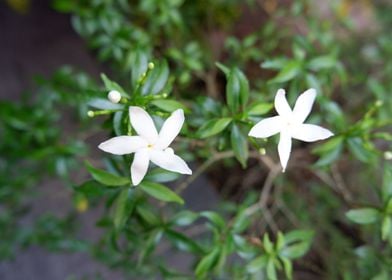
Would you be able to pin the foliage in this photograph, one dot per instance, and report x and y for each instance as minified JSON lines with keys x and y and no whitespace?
{"x":329,"y":216}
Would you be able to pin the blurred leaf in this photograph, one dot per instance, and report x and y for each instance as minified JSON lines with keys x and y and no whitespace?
{"x":290,"y":70}
{"x":271,"y":270}
{"x":169,"y":105}
{"x":322,"y":62}
{"x":124,"y":206}
{"x":111,"y":85}
{"x":160,"y":192}
{"x":207,"y":262}
{"x":260,"y":108}
{"x":214,"y":218}
{"x":213,"y":127}
{"x":386,"y":191}
{"x":104,"y":104}
{"x":257,"y":264}
{"x":182,"y":242}
{"x":105,"y":177}
{"x":160,"y":175}
{"x":386,"y":228}
{"x":184,"y":218}
{"x":363,"y":215}
{"x":138,"y":64}
{"x":359,"y":150}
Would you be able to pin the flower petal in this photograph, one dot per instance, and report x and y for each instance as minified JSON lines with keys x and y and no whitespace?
{"x":143,"y":124}
{"x":310,"y":132}
{"x":266,"y":127}
{"x":170,"y":129}
{"x":281,"y":104}
{"x":139,"y":166}
{"x":168,"y":160}
{"x":304,"y":104}
{"x":284,"y":149}
{"x":122,"y":145}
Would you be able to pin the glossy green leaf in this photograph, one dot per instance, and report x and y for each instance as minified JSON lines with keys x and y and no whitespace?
{"x":160,"y":175}
{"x":156,"y":79}
{"x":239,"y":144}
{"x":105,"y":177}
{"x":213,"y":127}
{"x":160,"y":192}
{"x":237,"y":90}
{"x":138,"y":64}
{"x":182,"y":242}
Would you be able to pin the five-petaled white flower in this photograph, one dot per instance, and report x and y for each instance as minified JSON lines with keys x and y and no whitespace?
{"x":289,"y":123}
{"x":149,"y":145}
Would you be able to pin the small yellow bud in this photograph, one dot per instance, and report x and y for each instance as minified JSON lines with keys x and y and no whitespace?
{"x":151,"y":65}
{"x":262,"y":151}
{"x":379,"y":103}
{"x":90,"y":114}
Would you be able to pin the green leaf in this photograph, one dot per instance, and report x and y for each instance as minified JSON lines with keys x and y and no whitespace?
{"x":160,"y":175}
{"x":329,"y":151}
{"x":277,"y":63}
{"x":363,"y":215}
{"x":223,"y":68}
{"x":182,"y":242}
{"x":105,"y":177}
{"x":268,"y":245}
{"x":299,"y":235}
{"x":239,"y":144}
{"x":386,"y":228}
{"x":214,"y":218}
{"x":295,"y":251}
{"x":288,"y":72}
{"x":386,"y":191}
{"x":257,"y":264}
{"x":359,"y":150}
{"x":124,"y":206}
{"x":207,"y":262}
{"x":169,"y":105}
{"x":184,"y":218}
{"x":237,"y":90}
{"x":110,"y":85}
{"x":90,"y":189}
{"x":148,"y":215}
{"x":322,"y":62}
{"x":213,"y":127}
{"x":160,"y":192}
{"x":271,"y":270}
{"x":260,"y":108}
{"x":156,"y":79}
{"x":104,"y":104}
{"x":138,"y":63}
{"x":288,"y":268}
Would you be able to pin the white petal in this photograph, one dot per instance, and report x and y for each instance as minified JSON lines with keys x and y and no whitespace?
{"x":143,"y":124}
{"x":122,"y":145}
{"x":139,"y":167}
{"x":266,"y":127}
{"x":168,"y":160}
{"x":304,"y":104}
{"x":284,"y":149}
{"x":310,"y":133}
{"x":170,"y":129}
{"x":281,"y":104}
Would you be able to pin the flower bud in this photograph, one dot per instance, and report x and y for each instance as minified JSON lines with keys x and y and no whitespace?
{"x":388,"y":155}
{"x":114,"y":96}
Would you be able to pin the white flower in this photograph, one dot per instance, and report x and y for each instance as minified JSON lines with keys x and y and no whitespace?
{"x":114,"y":96}
{"x":289,"y":123}
{"x":149,"y":145}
